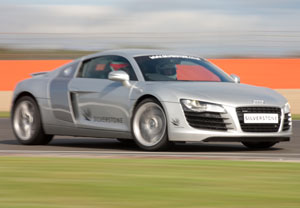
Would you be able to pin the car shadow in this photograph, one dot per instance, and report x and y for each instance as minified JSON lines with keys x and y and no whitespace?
{"x":92,"y":144}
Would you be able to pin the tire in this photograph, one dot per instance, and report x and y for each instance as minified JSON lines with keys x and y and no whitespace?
{"x":259,"y":145}
{"x":149,"y":126}
{"x":26,"y":122}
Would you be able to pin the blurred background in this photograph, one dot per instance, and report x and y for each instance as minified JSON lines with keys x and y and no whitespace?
{"x":213,"y":29}
{"x":232,"y":33}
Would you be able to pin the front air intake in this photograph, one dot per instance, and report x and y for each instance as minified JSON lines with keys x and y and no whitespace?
{"x":206,"y":120}
{"x":287,"y":122}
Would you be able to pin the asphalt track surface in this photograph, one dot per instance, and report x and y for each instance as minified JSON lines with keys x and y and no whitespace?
{"x":97,"y":147}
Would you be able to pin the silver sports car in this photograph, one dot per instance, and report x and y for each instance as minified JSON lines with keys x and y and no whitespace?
{"x":153,"y":97}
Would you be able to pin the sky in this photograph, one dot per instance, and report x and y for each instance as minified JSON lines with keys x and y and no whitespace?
{"x":209,"y":28}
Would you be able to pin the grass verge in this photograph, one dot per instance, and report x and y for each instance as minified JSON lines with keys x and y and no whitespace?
{"x":44,"y":54}
{"x":296,"y":116}
{"x":4,"y":114}
{"x":134,"y":183}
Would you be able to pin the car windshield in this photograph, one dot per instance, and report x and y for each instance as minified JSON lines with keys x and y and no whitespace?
{"x":179,"y":68}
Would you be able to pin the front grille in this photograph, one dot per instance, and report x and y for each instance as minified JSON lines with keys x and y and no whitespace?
{"x":258,"y":127}
{"x":206,"y":120}
{"x":287,"y":122}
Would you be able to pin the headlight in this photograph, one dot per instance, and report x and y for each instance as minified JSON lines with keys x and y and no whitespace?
{"x":287,"y":108}
{"x":198,"y":106}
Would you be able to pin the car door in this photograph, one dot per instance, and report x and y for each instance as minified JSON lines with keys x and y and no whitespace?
{"x":59,"y":97}
{"x":98,"y":102}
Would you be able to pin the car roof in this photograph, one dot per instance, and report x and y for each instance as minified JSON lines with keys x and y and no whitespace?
{"x":135,"y":53}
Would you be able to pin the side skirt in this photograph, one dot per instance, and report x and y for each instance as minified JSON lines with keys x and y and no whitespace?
{"x":85,"y":132}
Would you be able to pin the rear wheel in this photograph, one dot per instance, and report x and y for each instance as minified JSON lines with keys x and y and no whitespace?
{"x":26,"y":122}
{"x":259,"y":145}
{"x":149,"y":125}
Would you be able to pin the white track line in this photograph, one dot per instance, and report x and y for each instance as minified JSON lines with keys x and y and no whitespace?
{"x":149,"y":153}
{"x":288,"y":157}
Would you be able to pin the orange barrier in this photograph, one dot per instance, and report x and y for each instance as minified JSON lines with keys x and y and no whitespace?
{"x":13,"y":71}
{"x":273,"y":73}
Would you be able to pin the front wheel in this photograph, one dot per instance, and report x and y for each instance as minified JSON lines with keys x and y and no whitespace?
{"x":149,"y":126}
{"x":27,"y":124}
{"x":259,"y":145}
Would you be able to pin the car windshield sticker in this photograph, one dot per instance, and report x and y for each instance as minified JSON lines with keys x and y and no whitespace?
{"x":173,"y":56}
{"x":100,"y":67}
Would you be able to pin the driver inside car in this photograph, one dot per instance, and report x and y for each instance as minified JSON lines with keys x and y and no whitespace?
{"x":167,"y":70}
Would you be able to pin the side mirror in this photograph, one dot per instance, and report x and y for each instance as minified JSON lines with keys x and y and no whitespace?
{"x":235,"y":78}
{"x":119,"y":76}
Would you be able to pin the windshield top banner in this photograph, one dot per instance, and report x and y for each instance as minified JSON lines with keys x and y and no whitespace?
{"x":173,"y":56}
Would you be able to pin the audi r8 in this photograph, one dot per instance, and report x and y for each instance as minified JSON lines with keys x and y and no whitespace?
{"x":151,"y":97}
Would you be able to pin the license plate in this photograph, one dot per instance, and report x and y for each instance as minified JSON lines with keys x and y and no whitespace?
{"x":260,"y":118}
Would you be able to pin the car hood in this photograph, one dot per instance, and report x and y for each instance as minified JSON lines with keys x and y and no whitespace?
{"x":217,"y":92}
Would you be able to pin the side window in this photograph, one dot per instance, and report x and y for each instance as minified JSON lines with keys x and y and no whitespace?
{"x":96,"y":68}
{"x":100,"y":67}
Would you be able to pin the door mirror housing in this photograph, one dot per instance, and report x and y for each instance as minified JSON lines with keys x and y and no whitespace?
{"x":235,"y":78}
{"x":119,"y":76}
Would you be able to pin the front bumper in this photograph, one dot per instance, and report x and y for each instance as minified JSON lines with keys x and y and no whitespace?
{"x":180,"y":130}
